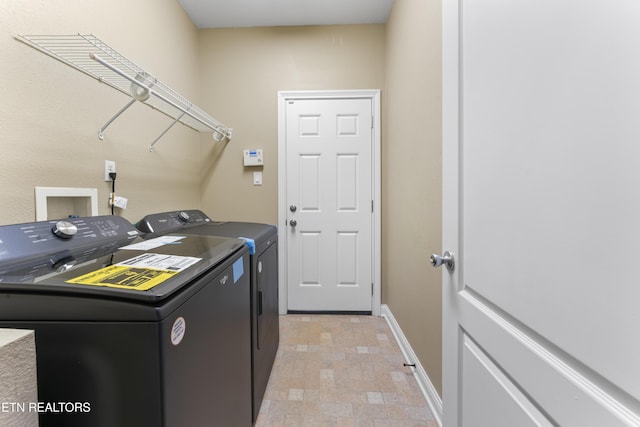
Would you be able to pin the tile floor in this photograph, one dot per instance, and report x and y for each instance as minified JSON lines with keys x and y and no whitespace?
{"x":341,"y":371}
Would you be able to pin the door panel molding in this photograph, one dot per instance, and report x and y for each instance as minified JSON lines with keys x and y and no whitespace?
{"x":511,"y":347}
{"x":283,"y":208}
{"x":490,"y":395}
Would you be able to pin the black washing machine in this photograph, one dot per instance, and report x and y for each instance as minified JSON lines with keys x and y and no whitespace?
{"x":262,"y":242}
{"x":130,"y":332}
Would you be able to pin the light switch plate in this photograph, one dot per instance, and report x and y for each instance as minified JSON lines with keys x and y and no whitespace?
{"x":257,"y":178}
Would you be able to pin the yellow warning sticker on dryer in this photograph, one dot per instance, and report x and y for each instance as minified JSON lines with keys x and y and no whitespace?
{"x":140,"y":273}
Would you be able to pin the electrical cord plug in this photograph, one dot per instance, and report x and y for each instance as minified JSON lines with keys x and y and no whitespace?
{"x":112,"y":200}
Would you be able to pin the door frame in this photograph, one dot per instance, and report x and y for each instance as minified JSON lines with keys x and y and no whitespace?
{"x":451,"y":220}
{"x":283,"y":98}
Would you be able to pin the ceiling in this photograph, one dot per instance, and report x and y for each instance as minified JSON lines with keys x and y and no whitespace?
{"x":267,"y":13}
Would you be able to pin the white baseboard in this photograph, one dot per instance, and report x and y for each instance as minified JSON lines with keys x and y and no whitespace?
{"x":428,"y":390}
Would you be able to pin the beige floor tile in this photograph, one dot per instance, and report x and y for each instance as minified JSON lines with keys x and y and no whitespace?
{"x":341,"y":371}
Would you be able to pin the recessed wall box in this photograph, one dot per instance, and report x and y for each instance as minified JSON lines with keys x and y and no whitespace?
{"x":253,"y":157}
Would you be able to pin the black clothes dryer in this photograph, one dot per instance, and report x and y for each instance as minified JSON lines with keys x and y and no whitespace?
{"x":261,"y":240}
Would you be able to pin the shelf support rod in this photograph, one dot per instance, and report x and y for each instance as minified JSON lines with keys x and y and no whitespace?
{"x":176,"y":120}
{"x":106,"y":125}
{"x":168,"y":101}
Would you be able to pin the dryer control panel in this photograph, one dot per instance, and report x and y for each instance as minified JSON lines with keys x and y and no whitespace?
{"x":174,"y":221}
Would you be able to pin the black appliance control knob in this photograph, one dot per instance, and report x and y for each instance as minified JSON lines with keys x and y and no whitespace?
{"x":183,"y":216}
{"x":64,"y":229}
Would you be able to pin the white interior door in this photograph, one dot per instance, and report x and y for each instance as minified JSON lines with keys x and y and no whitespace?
{"x":329,"y":193}
{"x":541,"y":108}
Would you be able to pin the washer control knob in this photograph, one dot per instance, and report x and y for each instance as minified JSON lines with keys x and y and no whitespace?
{"x":183,"y":216}
{"x":64,"y":229}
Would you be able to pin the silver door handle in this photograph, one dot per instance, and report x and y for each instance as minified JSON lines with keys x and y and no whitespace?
{"x":293,"y":222}
{"x":447,"y":259}
{"x":293,"y":208}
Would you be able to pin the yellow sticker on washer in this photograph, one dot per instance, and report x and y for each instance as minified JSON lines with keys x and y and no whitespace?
{"x":124,"y":277}
{"x":140,"y":273}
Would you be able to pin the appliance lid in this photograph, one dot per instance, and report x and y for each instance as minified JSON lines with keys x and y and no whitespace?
{"x":105,"y":264}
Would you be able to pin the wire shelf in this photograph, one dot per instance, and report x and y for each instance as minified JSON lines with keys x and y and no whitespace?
{"x":91,"y":56}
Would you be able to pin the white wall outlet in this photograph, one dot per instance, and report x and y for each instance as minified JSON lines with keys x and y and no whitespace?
{"x":109,"y":166}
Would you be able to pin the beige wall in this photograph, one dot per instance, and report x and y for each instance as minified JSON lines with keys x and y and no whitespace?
{"x":50,"y":113}
{"x":242,"y":71}
{"x":412,"y":187}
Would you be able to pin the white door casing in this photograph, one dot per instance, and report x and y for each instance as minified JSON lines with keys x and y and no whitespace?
{"x":540,"y":161}
{"x":329,"y":152}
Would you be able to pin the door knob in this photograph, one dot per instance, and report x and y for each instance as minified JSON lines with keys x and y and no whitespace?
{"x":293,"y":222}
{"x":447,"y":259}
{"x":293,"y":208}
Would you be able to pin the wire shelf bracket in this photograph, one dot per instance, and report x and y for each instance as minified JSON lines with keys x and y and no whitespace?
{"x":91,"y":56}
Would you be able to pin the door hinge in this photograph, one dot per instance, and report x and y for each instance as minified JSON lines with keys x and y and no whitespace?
{"x":371,"y":288}
{"x":371,"y":205}
{"x":371,"y":122}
